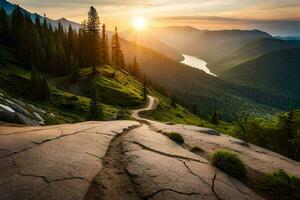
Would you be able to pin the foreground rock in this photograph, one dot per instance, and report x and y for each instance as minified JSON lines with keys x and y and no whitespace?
{"x":161,"y":169}
{"x":56,"y":162}
{"x":256,"y":158}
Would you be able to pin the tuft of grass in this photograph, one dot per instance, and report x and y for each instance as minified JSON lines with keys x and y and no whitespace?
{"x":229,"y":163}
{"x":176,"y":137}
{"x":281,"y":186}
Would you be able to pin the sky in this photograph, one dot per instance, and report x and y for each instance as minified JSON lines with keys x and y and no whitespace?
{"x":202,"y":14}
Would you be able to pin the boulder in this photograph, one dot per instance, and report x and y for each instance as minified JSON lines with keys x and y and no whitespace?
{"x":16,"y":118}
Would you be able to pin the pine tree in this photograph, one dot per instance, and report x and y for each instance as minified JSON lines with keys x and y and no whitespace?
{"x":287,"y":133}
{"x":214,"y":119}
{"x":94,"y":112}
{"x":117,"y":54}
{"x":75,"y":67}
{"x":104,"y":45}
{"x":135,"y":68}
{"x":94,"y":45}
{"x":39,"y":86}
{"x":145,"y":93}
{"x":173,"y":101}
{"x":4,"y":27}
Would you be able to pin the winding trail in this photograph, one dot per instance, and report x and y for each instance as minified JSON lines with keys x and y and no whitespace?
{"x":123,"y":160}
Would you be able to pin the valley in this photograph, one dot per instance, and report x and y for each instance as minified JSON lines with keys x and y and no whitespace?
{"x":196,"y":63}
{"x":131,"y":105}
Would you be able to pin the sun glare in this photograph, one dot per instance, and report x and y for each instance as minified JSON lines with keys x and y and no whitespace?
{"x":139,"y":23}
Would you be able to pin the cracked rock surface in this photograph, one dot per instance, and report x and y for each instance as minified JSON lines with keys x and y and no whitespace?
{"x":257,"y":158}
{"x":123,"y":160}
{"x":161,"y":169}
{"x":55,"y":162}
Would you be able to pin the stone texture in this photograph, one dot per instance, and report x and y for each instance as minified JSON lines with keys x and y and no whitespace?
{"x":256,"y":158}
{"x":161,"y":169}
{"x":56,"y":162}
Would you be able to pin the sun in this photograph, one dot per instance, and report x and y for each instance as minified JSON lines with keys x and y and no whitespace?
{"x":139,"y":23}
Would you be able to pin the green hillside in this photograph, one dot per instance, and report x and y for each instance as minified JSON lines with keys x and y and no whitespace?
{"x":69,"y":100}
{"x":276,"y":72}
{"x":195,"y":88}
{"x":251,"y":51}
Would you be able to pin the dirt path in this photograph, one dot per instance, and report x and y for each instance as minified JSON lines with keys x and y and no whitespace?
{"x":112,"y":182}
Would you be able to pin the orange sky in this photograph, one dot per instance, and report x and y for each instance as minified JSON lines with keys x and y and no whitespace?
{"x":198,"y":13}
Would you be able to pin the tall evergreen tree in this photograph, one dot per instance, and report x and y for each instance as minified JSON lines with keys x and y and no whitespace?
{"x":104,"y":45}
{"x":135,"y":68}
{"x":94,"y":112}
{"x":75,"y":67}
{"x":145,"y":93}
{"x":214,"y":119}
{"x":117,"y":54}
{"x":94,"y":43}
{"x":39,"y":86}
{"x":4,"y":27}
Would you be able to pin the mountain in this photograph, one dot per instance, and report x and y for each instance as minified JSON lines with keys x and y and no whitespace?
{"x":276,"y":72}
{"x":251,"y":51}
{"x":9,"y":7}
{"x":216,"y":44}
{"x":288,"y":38}
{"x":207,"y":45}
{"x":198,"y":90}
{"x":147,"y":39}
{"x":177,"y":37}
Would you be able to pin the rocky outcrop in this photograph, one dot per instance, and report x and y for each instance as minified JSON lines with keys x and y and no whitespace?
{"x":161,"y":169}
{"x":14,"y":111}
{"x":55,"y":162}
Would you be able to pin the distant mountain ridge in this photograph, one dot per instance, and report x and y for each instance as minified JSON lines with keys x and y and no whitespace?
{"x":252,"y":50}
{"x":276,"y":72}
{"x":9,"y":7}
{"x":149,"y":40}
{"x":205,"y":44}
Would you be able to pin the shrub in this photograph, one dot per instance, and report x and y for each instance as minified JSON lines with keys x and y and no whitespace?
{"x":230,"y":163}
{"x":281,"y":186}
{"x":176,"y":137}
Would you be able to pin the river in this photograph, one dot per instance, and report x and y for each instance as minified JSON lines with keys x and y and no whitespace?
{"x":196,"y":63}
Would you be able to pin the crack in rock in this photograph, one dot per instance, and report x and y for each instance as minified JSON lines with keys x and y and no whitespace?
{"x":94,"y":155}
{"x":213,"y":187}
{"x":166,"y":154}
{"x":34,"y":130}
{"x":54,"y":180}
{"x":172,"y":190}
{"x":189,"y":169}
{"x":44,"y":141}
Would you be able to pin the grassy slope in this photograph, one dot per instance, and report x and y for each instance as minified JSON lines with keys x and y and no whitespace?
{"x":251,"y":51}
{"x":116,"y":93}
{"x":277,"y":72}
{"x":165,"y":112}
{"x":195,"y":87}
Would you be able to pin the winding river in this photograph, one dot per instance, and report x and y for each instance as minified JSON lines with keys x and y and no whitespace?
{"x":196,"y":63}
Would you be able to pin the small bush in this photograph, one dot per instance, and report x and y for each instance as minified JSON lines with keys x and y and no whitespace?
{"x":176,"y":137}
{"x":230,"y":163}
{"x":281,"y":186}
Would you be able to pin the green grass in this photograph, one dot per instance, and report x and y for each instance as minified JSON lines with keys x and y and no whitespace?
{"x":120,"y":90}
{"x":176,"y":137}
{"x":65,"y":106}
{"x":281,"y":186}
{"x":229,"y":163}
{"x":165,"y":112}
